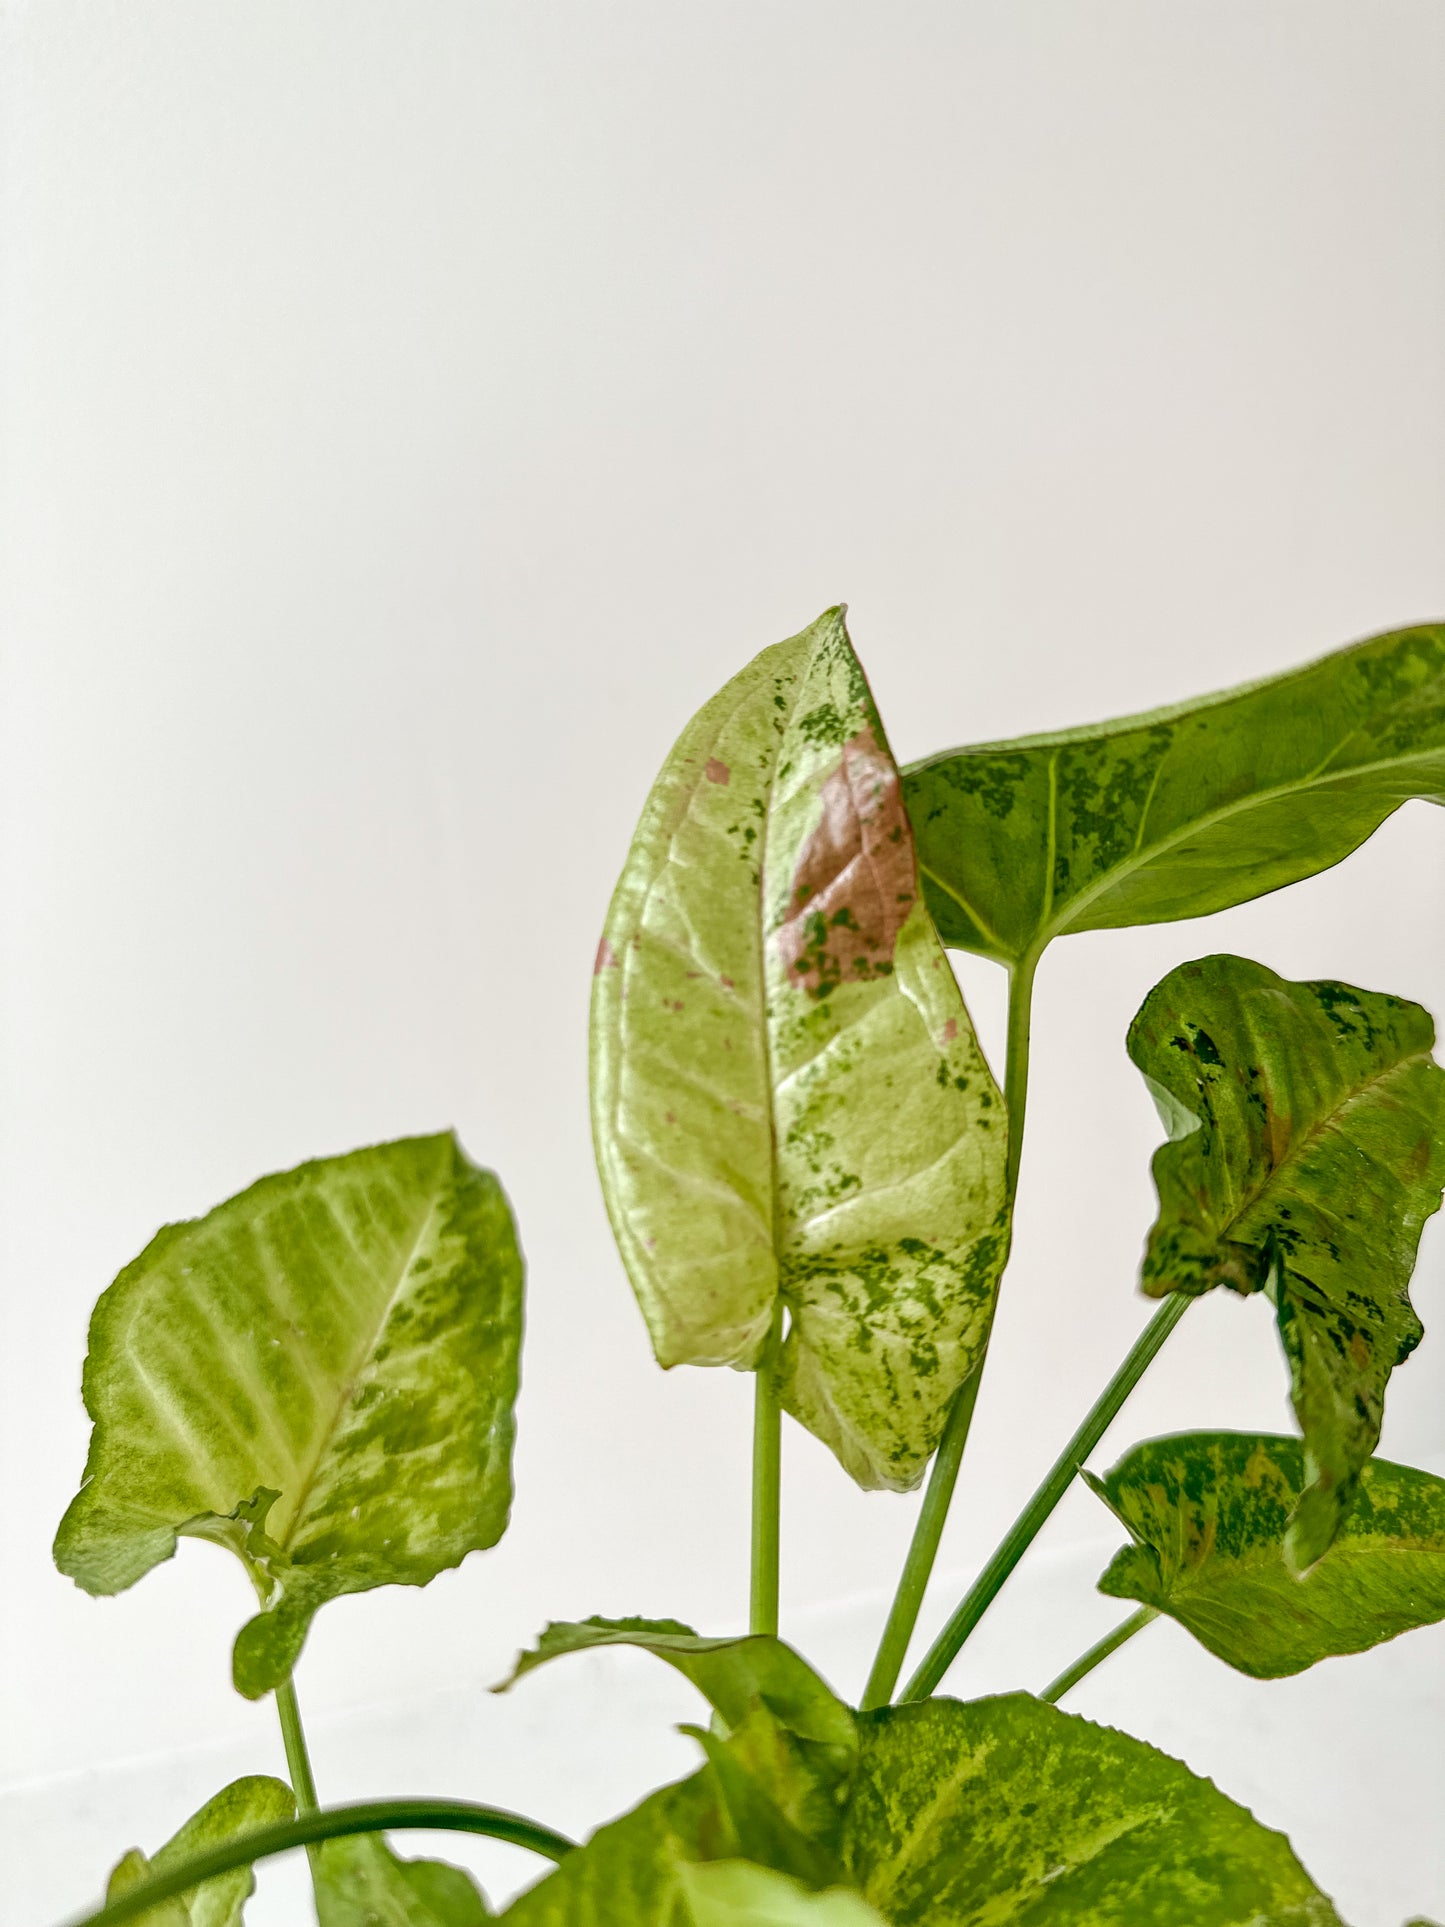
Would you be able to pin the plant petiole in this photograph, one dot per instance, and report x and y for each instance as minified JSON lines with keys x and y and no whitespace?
{"x":767,"y":1482}
{"x":373,"y":1816}
{"x":1021,"y":1535}
{"x":923,"y":1547}
{"x":298,"y":1759}
{"x":1097,"y":1654}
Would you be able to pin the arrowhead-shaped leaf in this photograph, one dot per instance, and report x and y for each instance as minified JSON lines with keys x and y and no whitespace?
{"x":735,"y":1893}
{"x":731,"y":1673}
{"x":320,"y":1375}
{"x":237,"y":1809}
{"x":1306,"y":1152}
{"x":1207,"y":1512}
{"x":787,"y":1094}
{"x":1007,"y":1811}
{"x":1183,"y":811}
{"x":360,"y":1882}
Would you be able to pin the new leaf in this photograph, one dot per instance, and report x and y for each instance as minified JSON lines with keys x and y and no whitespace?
{"x":787,"y":1095}
{"x":1207,"y":1512}
{"x":1183,"y":811}
{"x":1306,"y":1152}
{"x":320,"y":1375}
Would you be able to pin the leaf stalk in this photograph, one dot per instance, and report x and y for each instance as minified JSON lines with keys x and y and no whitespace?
{"x":767,"y":1482}
{"x":1025,"y":1529}
{"x":923,"y":1548}
{"x":1097,"y":1654}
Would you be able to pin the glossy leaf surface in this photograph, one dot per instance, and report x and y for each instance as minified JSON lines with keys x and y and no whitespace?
{"x":1182,"y":811}
{"x":1307,"y":1149}
{"x":735,"y":1893}
{"x":360,"y":1882}
{"x":1207,"y":1512}
{"x":787,"y":1093}
{"x":320,"y":1375}
{"x":1008,"y":1813}
{"x":237,"y":1809}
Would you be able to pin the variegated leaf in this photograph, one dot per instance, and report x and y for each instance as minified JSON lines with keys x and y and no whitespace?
{"x":360,"y":1882}
{"x":1307,"y":1149}
{"x":1008,"y":1813}
{"x":1207,"y":1512}
{"x":319,"y":1375}
{"x":788,"y":1097}
{"x":735,"y":1893}
{"x":238,"y":1809}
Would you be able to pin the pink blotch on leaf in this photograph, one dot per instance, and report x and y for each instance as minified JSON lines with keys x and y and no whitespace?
{"x":717,"y":772}
{"x":606,"y":957}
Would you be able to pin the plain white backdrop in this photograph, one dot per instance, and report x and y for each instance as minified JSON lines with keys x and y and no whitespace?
{"x":410,"y":415}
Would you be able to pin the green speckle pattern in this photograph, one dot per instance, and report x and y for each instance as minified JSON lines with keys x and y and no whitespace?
{"x":788,"y":1096}
{"x":1184,"y":811}
{"x":319,"y":1375}
{"x":1208,"y":1512}
{"x":1306,"y":1152}
{"x":1009,"y":1813}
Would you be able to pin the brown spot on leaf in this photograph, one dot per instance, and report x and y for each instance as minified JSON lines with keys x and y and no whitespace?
{"x":606,"y":957}
{"x":717,"y":772}
{"x":856,"y":879}
{"x":950,"y":1030}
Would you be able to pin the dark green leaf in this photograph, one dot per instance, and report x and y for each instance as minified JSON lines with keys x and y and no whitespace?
{"x":237,"y":1809}
{"x":1207,"y":1512}
{"x":320,"y":1375}
{"x":1183,"y":811}
{"x":787,"y":1095}
{"x":735,"y":1893}
{"x":1006,"y":1811}
{"x":1306,"y":1152}
{"x":360,"y":1882}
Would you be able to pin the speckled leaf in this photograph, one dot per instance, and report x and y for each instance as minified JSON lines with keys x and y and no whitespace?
{"x":1009,"y":1813}
{"x":320,"y":1375}
{"x":1307,"y":1149}
{"x":1207,"y":1512}
{"x":787,"y":1094}
{"x":731,"y":1673}
{"x":1182,"y":811}
{"x":237,"y":1809}
{"x":735,"y":1893}
{"x":360,"y":1882}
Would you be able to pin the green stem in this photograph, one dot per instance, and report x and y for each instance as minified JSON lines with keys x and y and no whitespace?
{"x":946,"y":1648}
{"x":298,"y":1760}
{"x":1097,"y":1654}
{"x":923,"y":1549}
{"x":767,"y":1482}
{"x":373,"y":1816}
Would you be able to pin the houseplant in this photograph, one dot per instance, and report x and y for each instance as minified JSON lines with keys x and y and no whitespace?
{"x":811,"y":1172}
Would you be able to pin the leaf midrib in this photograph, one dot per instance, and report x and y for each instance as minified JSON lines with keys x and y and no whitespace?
{"x":358,"y":1363}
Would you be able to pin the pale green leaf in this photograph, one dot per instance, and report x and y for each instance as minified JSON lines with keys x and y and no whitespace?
{"x":1307,"y":1150}
{"x":1182,"y":811}
{"x":360,"y":1882}
{"x":1207,"y":1512}
{"x":238,"y":1809}
{"x":320,"y":1375}
{"x":731,"y":1673}
{"x":1009,"y":1813}
{"x":735,"y":1893}
{"x":787,"y":1094}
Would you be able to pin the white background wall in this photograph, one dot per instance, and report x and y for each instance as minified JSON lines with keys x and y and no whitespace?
{"x":411,"y":414}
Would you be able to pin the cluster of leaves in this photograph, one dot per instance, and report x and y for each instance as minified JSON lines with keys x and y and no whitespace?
{"x":810,"y":1173}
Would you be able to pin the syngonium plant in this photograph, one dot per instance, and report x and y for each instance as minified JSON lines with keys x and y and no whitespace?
{"x":811,"y":1171}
